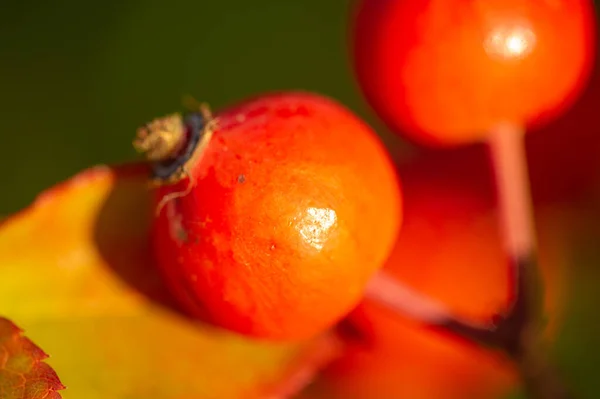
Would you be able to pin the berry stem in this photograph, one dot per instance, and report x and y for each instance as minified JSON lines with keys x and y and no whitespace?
{"x":507,"y":147}
{"x":398,"y":297}
{"x":388,"y":291}
{"x":518,"y":332}
{"x":392,"y":293}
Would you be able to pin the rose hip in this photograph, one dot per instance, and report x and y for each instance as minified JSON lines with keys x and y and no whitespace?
{"x":273,"y":215}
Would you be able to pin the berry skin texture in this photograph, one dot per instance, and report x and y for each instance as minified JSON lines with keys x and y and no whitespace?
{"x":294,"y":205}
{"x":445,"y":72}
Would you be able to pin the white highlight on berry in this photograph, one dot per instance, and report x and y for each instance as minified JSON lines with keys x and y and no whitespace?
{"x":315,"y":224}
{"x":510,"y":42}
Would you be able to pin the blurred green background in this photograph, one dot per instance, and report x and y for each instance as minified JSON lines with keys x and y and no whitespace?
{"x":78,"y":78}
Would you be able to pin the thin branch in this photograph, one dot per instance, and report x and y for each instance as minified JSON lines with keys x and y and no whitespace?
{"x":517,"y":333}
{"x":392,"y":293}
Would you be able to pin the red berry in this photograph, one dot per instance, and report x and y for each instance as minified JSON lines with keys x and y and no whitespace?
{"x":291,"y":205}
{"x":445,"y":72}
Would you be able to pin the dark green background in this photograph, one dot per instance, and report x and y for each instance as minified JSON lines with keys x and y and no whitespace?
{"x":77,"y":78}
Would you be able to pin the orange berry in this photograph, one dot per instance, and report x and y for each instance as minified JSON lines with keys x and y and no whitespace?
{"x":445,"y":72}
{"x":291,"y":205}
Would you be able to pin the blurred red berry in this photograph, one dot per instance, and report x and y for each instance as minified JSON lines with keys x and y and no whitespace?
{"x":445,"y":72}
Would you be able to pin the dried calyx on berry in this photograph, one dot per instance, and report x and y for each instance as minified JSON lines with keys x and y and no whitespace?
{"x":171,"y":143}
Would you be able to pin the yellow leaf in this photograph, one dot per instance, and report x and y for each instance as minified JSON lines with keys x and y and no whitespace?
{"x":76,"y":272}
